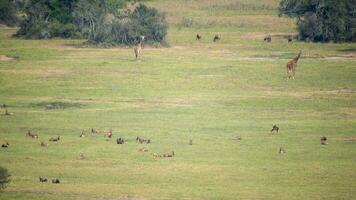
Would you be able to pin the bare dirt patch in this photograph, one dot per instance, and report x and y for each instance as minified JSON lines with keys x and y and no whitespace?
{"x":6,"y":58}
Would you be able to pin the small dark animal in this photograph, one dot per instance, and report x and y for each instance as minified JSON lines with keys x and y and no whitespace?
{"x":289,"y":38}
{"x":3,"y":106}
{"x":55,"y":181}
{"x":282,"y":150}
{"x":168,"y":155}
{"x":93,"y":131}
{"x":120,"y":141}
{"x":199,"y":36}
{"x":323,"y":140}
{"x":142,"y":140}
{"x":275,"y":128}
{"x":5,"y":145}
{"x":190,"y":142}
{"x":42,"y":179}
{"x":216,"y":38}
{"x":55,"y":139}
{"x":268,"y":38}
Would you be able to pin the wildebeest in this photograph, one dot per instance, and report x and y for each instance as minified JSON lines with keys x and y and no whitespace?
{"x":268,"y":38}
{"x":42,"y":179}
{"x":5,"y":145}
{"x":323,"y":140}
{"x":198,"y":36}
{"x":216,"y":38}
{"x":55,"y":139}
{"x":120,"y":141}
{"x":55,"y":181}
{"x":275,"y":128}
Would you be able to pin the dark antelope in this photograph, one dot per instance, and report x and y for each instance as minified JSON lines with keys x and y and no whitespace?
{"x":55,"y":139}
{"x":120,"y":141}
{"x":198,"y":36}
{"x":42,"y":179}
{"x":5,"y":145}
{"x":275,"y":128}
{"x":268,"y":38}
{"x":323,"y":140}
{"x":216,"y":38}
{"x":55,"y":181}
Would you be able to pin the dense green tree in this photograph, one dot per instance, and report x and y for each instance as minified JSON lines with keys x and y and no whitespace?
{"x":8,"y":10}
{"x":322,"y":20}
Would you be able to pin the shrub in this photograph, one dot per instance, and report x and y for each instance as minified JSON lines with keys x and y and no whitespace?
{"x":4,"y":178}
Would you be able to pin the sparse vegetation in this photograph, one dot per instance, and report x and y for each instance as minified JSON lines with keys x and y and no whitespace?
{"x":4,"y":178}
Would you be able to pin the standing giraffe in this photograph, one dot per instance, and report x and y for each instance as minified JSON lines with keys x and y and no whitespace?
{"x":292,"y":65}
{"x":137,"y":49}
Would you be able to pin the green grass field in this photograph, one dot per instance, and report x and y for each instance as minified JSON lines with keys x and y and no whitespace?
{"x":204,"y":91}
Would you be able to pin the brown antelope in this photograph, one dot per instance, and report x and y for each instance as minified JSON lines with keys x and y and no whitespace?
{"x":141,"y":140}
{"x":109,"y":134}
{"x":268,"y":38}
{"x":143,"y":149}
{"x":198,"y":37}
{"x":138,"y":47}
{"x":323,"y":140}
{"x":292,"y":65}
{"x":275,"y":128}
{"x":34,"y":136}
{"x":55,"y":139}
{"x":82,"y":134}
{"x":216,"y":38}
{"x":237,"y":137}
{"x":7,"y":113}
{"x":43,"y":144}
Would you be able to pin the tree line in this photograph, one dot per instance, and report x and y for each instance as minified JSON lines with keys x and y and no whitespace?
{"x":102,"y":22}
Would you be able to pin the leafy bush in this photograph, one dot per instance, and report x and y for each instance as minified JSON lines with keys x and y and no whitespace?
{"x":322,"y":20}
{"x":4,"y":178}
{"x":8,"y":12}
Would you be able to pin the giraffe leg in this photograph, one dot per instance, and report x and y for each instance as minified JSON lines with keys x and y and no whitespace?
{"x":293,"y":73}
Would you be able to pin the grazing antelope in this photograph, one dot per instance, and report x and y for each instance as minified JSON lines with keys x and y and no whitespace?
{"x":42,"y":179}
{"x":292,"y":65}
{"x":5,"y":145}
{"x":268,"y":38}
{"x":216,"y":38}
{"x":109,"y":134}
{"x":120,"y":141}
{"x":55,"y":181}
{"x":34,"y":136}
{"x":275,"y":128}
{"x":7,"y":113}
{"x":55,"y":139}
{"x":282,"y":150}
{"x":141,"y":140}
{"x":198,"y":36}
{"x":237,"y":137}
{"x":323,"y":140}
{"x":81,"y":156}
{"x":43,"y":144}
{"x":138,"y":47}
{"x":93,"y":131}
{"x":82,"y":134}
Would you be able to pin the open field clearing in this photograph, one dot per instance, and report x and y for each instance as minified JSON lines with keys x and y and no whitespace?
{"x":204,"y":91}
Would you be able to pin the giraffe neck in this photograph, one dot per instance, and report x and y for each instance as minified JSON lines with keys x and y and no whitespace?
{"x":297,"y":58}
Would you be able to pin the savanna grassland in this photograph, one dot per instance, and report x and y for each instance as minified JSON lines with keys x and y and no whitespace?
{"x":199,"y":90}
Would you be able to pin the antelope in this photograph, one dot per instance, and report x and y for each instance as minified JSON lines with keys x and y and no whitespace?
{"x":120,"y":141}
{"x":216,"y":38}
{"x":198,"y":36}
{"x":323,"y":140}
{"x":109,"y":134}
{"x":289,"y":38}
{"x":7,"y":113}
{"x":43,"y":144}
{"x":29,"y":134}
{"x":6,"y":145}
{"x":282,"y":150}
{"x":82,"y":134}
{"x":138,"y":47}
{"x":55,"y":181}
{"x":275,"y":128}
{"x":55,"y":139}
{"x":292,"y":65}
{"x":42,"y":179}
{"x":268,"y":38}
